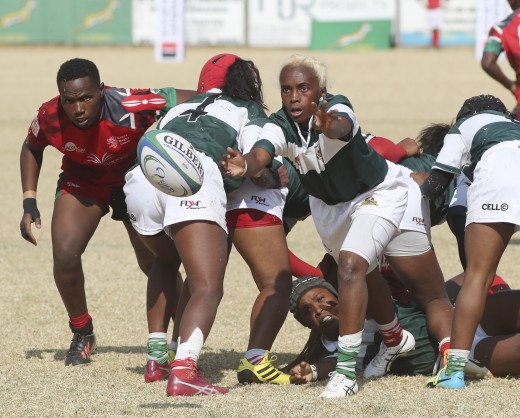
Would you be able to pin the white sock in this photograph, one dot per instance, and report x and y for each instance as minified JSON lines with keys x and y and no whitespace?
{"x":192,"y":347}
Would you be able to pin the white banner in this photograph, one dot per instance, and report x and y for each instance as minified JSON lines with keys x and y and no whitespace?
{"x":288,"y":23}
{"x":169,"y":39}
{"x":215,"y":22}
{"x":458,"y":22}
{"x":489,"y":13}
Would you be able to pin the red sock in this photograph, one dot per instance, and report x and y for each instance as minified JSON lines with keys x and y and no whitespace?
{"x":392,"y":333}
{"x":300,"y":268}
{"x":444,"y":345}
{"x":79,"y":322}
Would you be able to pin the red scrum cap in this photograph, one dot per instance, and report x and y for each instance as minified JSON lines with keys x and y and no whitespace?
{"x":214,"y":72}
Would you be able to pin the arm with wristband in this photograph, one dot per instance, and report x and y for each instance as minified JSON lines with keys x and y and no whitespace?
{"x":31,"y":159}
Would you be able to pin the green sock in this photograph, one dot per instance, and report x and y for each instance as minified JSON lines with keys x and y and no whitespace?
{"x":457,"y":360}
{"x":157,"y":348}
{"x":347,"y":354}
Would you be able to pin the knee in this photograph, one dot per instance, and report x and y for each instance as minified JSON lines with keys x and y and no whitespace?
{"x":66,"y":257}
{"x":350,"y":269}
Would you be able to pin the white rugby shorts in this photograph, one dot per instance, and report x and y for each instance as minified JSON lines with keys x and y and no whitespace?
{"x":251,"y":196}
{"x":386,"y":201}
{"x":152,"y":211}
{"x":494,"y":195}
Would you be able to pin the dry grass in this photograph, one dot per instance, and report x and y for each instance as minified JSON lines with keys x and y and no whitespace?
{"x":395,"y":94}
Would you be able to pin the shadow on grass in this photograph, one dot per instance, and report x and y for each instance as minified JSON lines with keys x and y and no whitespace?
{"x":59,"y":354}
{"x":212,"y":362}
{"x":168,"y":405}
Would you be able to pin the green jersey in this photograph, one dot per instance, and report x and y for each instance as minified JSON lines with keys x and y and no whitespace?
{"x":438,"y":207}
{"x":211,"y":122}
{"x":332,"y":170}
{"x":471,"y":137}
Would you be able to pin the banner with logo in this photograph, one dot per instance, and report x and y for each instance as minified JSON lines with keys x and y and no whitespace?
{"x":69,"y":22}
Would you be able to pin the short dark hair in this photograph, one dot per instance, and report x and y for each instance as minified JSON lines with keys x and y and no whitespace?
{"x":302,"y":286}
{"x":243,"y":82}
{"x":431,"y":138}
{"x":78,"y":68}
{"x":477,"y":104}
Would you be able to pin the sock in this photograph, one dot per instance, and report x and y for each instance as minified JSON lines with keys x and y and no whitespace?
{"x":157,"y":347}
{"x":190,"y":348}
{"x":348,"y":349}
{"x":444,"y":345}
{"x":300,"y":268}
{"x":255,"y":355}
{"x":392,"y":332}
{"x":173,"y":345}
{"x":81,"y":324}
{"x":457,"y":360}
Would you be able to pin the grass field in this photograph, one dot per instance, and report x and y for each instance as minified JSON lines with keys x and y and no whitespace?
{"x":395,"y":93}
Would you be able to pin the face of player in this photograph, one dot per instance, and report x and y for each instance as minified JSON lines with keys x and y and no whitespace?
{"x":81,"y":100}
{"x":299,"y":87}
{"x":319,"y":311}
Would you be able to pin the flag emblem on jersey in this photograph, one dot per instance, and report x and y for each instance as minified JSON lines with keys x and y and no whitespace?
{"x":139,"y":102}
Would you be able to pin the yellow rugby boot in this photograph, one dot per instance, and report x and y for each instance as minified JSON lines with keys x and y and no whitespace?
{"x":264,"y":372}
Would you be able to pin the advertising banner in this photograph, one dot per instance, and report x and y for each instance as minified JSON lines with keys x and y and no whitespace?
{"x":321,"y":24}
{"x":70,"y":22}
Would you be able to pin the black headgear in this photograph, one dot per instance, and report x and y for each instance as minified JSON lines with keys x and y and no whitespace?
{"x":301,"y":286}
{"x":477,"y":104}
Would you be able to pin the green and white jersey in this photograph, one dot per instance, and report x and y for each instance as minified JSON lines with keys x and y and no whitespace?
{"x":471,"y":137}
{"x":211,"y":122}
{"x":332,"y":170}
{"x":438,"y":207}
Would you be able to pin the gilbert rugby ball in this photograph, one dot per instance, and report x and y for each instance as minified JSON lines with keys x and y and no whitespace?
{"x":170,"y":163}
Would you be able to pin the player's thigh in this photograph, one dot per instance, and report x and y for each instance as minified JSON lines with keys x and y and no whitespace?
{"x":265,"y":251}
{"x":74,"y":221}
{"x":484,"y":245}
{"x":203,"y":249}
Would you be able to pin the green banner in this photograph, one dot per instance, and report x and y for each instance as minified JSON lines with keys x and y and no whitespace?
{"x":351,"y":35}
{"x":69,"y":22}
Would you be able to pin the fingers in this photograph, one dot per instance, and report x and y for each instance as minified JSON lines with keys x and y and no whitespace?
{"x":27,"y":234}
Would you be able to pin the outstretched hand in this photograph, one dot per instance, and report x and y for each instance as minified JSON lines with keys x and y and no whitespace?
{"x":233,"y":163}
{"x":301,"y":373}
{"x":322,"y":119}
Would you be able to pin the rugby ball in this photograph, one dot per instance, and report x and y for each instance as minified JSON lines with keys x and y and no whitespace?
{"x":170,"y":163}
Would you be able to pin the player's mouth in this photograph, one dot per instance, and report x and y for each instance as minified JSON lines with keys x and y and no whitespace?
{"x":326,"y":319}
{"x":82,"y":122}
{"x":296,"y":113}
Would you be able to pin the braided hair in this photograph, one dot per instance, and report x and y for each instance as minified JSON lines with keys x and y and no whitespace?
{"x":477,"y":104}
{"x":243,"y":82}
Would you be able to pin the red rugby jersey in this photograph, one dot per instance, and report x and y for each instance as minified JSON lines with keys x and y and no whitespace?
{"x":504,"y":37}
{"x":104,"y":152}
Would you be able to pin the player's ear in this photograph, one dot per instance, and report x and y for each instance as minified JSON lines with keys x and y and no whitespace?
{"x":324,"y":91}
{"x":102,"y":88}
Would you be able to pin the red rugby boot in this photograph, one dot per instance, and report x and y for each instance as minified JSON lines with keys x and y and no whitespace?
{"x":185,"y":380}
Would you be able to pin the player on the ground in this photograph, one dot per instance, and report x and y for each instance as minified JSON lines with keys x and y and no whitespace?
{"x":504,"y":37}
{"x":97,"y":128}
{"x":314,"y":303}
